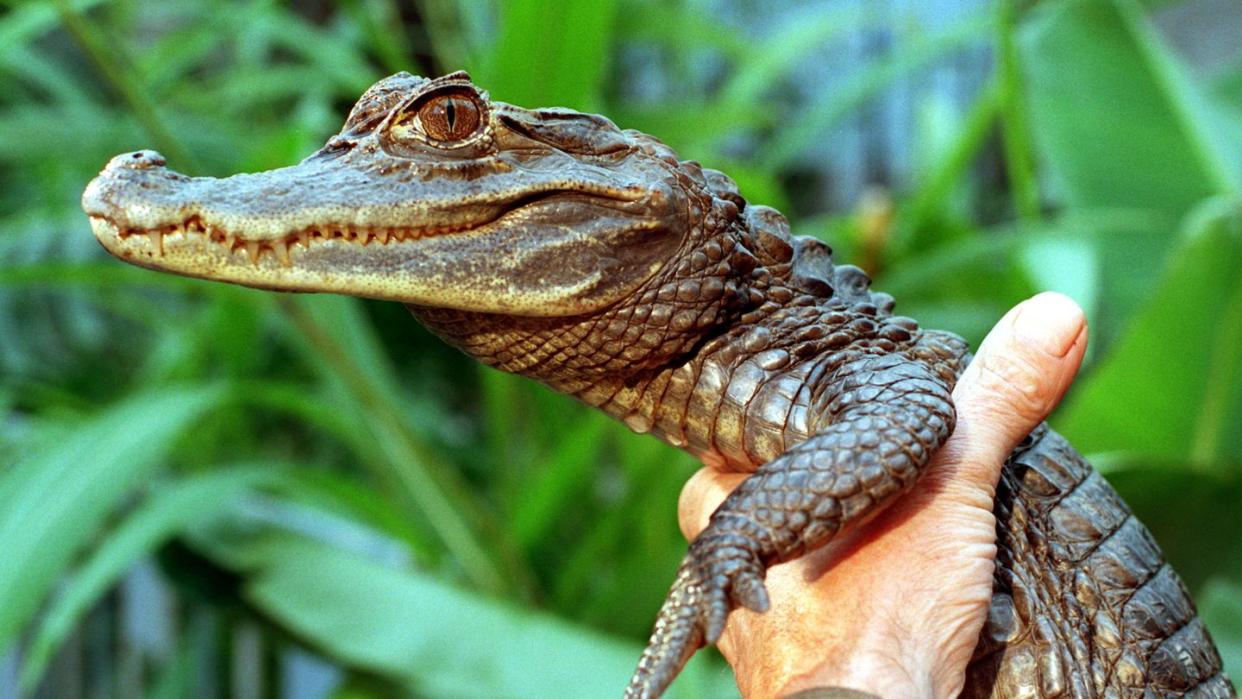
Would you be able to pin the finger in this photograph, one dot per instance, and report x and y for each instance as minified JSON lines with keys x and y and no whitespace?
{"x":1020,"y":373}
{"x":700,"y":497}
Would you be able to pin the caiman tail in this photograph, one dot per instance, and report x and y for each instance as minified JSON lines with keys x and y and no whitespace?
{"x":1084,"y":604}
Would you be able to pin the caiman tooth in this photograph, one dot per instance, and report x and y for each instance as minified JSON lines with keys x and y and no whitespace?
{"x":364,"y":237}
{"x":252,"y":249}
{"x":381,"y":234}
{"x":157,"y":240}
{"x":282,"y":252}
{"x":304,"y":238}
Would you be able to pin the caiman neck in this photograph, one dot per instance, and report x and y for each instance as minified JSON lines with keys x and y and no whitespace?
{"x":743,"y":311}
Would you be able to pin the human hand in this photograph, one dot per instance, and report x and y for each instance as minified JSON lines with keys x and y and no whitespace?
{"x":895,"y":607}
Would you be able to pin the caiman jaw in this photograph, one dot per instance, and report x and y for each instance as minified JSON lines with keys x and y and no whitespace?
{"x":271,"y":230}
{"x":283,"y":249}
{"x":168,"y":225}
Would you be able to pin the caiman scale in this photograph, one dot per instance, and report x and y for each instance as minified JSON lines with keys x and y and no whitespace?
{"x":553,"y":244}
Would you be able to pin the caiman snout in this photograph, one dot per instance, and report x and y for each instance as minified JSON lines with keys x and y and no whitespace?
{"x":111,"y":195}
{"x":96,"y":198}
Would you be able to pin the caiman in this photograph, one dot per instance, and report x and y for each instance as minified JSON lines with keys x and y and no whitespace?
{"x":552,"y":244}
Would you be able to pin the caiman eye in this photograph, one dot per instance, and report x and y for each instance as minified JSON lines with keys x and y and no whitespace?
{"x":447,"y":118}
{"x":450,"y":116}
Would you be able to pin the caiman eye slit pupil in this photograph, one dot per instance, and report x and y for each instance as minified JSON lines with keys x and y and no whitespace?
{"x":449,"y":117}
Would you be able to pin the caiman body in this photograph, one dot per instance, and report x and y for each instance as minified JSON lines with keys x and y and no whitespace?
{"x":552,"y":244}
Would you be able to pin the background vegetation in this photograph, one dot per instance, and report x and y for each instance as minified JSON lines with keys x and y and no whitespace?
{"x":319,"y":477}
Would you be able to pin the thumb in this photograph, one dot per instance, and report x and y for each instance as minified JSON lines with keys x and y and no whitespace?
{"x":1021,"y":372}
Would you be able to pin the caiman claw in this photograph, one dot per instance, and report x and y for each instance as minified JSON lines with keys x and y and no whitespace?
{"x":719,"y":574}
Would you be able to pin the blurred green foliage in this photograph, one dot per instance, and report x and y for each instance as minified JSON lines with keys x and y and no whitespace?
{"x":326,"y":468}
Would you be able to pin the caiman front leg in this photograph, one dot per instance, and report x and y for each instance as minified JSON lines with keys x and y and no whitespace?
{"x":879,"y":424}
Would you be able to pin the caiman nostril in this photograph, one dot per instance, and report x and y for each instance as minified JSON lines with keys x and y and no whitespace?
{"x":139,"y":160}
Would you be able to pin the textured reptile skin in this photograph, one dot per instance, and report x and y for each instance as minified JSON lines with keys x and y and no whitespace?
{"x":554,"y":245}
{"x":834,"y":404}
{"x":1083,"y":603}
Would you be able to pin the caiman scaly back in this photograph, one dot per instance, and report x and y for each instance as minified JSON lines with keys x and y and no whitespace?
{"x":553,"y":244}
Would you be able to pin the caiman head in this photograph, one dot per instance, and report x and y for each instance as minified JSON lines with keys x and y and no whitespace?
{"x":431,"y":194}
{"x":546,"y":242}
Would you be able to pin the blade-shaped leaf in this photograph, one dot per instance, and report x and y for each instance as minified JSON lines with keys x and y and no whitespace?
{"x":55,"y":498}
{"x":166,"y":511}
{"x":549,"y":38}
{"x":1172,"y":387}
{"x":1113,"y":114}
{"x":338,"y":340}
{"x":435,"y":638}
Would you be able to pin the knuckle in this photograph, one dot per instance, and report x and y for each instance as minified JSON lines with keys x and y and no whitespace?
{"x":1015,"y":384}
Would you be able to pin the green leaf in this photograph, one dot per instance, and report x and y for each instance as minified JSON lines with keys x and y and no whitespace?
{"x":1172,"y":387}
{"x":53,"y":501}
{"x":568,"y":471}
{"x":1116,"y":119}
{"x":339,"y":342}
{"x":165,"y":512}
{"x":30,"y":21}
{"x":678,"y":26}
{"x":946,"y":173}
{"x":1221,"y":609}
{"x":1015,"y":131}
{"x":439,"y":640}
{"x":565,"y":44}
